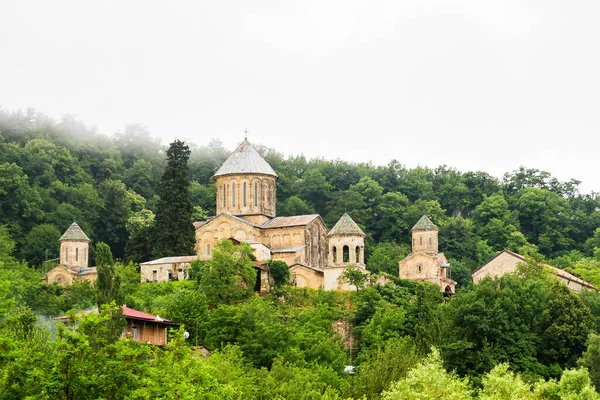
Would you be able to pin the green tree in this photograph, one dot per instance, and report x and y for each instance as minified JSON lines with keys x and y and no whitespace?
{"x":355,"y":277}
{"x":112,"y":227}
{"x":385,"y":256}
{"x":280,"y":272}
{"x":590,"y":359}
{"x":173,"y":232}
{"x":41,"y":243}
{"x":429,"y":380}
{"x":108,"y":284}
{"x":229,"y":276}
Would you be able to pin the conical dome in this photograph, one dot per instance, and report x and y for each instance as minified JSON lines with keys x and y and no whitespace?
{"x":424,"y":224}
{"x":346,"y":226}
{"x":74,"y":232}
{"x":245,"y":160}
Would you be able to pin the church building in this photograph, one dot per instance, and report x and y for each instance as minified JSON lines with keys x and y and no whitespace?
{"x":246,"y":211}
{"x":425,"y":263}
{"x":73,"y":265}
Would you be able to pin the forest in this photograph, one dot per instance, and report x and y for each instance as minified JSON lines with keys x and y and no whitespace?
{"x":521,"y":336}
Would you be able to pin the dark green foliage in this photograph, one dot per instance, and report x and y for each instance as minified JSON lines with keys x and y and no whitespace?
{"x":173,"y":232}
{"x":108,"y":284}
{"x":40,"y":244}
{"x":229,"y":276}
{"x":279,"y":271}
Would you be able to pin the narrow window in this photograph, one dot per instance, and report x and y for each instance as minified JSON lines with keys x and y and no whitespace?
{"x":413,"y":242}
{"x":85,"y":255}
{"x":233,"y":194}
{"x":421,"y":241}
{"x":255,"y":194}
{"x":430,"y":241}
{"x":335,"y":260}
{"x":346,"y":254}
{"x":155,"y":275}
{"x":357,"y":254}
{"x":224,"y":196}
{"x":208,"y":249}
{"x":76,"y":254}
{"x":67,"y":254}
{"x":244,"y":194}
{"x":419,"y":268}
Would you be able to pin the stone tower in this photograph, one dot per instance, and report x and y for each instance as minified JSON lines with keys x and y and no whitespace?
{"x":425,"y":236}
{"x":346,"y":243}
{"x":74,"y":245}
{"x":246,"y":185}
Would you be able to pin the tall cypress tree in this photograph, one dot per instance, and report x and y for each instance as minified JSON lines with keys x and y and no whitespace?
{"x":173,"y":227}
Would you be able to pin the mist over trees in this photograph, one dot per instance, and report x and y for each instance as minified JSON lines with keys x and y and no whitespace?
{"x":520,"y":336}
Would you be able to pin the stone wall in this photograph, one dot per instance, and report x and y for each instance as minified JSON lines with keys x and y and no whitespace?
{"x":74,"y":254}
{"x":259,"y":191}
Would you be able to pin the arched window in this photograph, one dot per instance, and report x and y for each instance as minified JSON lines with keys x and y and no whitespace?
{"x":67,"y":254}
{"x":413,"y":242}
{"x":419,"y":268}
{"x":255,"y":194}
{"x":335,"y":260}
{"x":76,"y":254}
{"x":346,"y":254}
{"x":233,"y":194}
{"x":357,"y":254}
{"x":421,"y":241}
{"x":85,"y":255}
{"x":244,"y":194}
{"x":224,"y":195}
{"x":208,"y":249}
{"x":430,"y":241}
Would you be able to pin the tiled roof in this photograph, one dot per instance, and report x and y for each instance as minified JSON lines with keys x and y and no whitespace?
{"x":171,"y":260}
{"x":346,"y":226}
{"x":297,"y":220}
{"x":556,"y":271}
{"x":245,"y":159}
{"x":424,"y":224}
{"x":74,"y":232}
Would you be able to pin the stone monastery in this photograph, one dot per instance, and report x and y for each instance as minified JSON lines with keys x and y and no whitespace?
{"x":246,"y":212}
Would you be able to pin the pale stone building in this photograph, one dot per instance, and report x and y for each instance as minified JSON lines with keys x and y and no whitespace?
{"x":165,"y":269}
{"x":425,"y":263}
{"x":346,"y":249}
{"x":246,"y":212}
{"x":506,"y":262}
{"x":73,"y":265}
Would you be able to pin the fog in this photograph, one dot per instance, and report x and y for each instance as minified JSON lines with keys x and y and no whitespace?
{"x":474,"y":85}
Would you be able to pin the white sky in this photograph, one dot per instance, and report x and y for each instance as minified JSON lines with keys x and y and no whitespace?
{"x":477,"y":85}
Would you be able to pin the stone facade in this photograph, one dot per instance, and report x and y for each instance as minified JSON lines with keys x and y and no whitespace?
{"x":346,"y":249}
{"x":506,"y":262}
{"x":165,"y":269}
{"x":424,"y":263}
{"x":73,"y":265}
{"x":246,"y":211}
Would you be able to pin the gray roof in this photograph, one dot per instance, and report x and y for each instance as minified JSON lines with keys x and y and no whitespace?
{"x":424,"y":224}
{"x":346,"y":226}
{"x":171,"y":260}
{"x":74,"y":232}
{"x":245,"y":160}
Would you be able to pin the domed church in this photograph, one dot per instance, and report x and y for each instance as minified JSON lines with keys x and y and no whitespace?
{"x":246,"y":211}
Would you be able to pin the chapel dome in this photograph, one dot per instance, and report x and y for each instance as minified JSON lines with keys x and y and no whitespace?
{"x":245,"y":160}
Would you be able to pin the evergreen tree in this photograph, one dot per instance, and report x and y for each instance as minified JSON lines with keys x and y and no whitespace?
{"x":108,"y":284}
{"x":173,"y":229}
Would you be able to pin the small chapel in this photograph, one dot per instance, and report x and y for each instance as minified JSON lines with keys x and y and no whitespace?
{"x":73,"y":264}
{"x":246,"y":212}
{"x":425,"y":263}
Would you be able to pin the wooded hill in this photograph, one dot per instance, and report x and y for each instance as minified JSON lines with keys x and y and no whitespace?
{"x":52,"y":173}
{"x":523,"y":336}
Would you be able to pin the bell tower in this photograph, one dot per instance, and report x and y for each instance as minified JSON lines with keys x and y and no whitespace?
{"x":74,"y":246}
{"x":425,"y":236}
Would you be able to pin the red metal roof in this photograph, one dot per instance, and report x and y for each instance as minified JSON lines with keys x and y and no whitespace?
{"x":135,"y":314}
